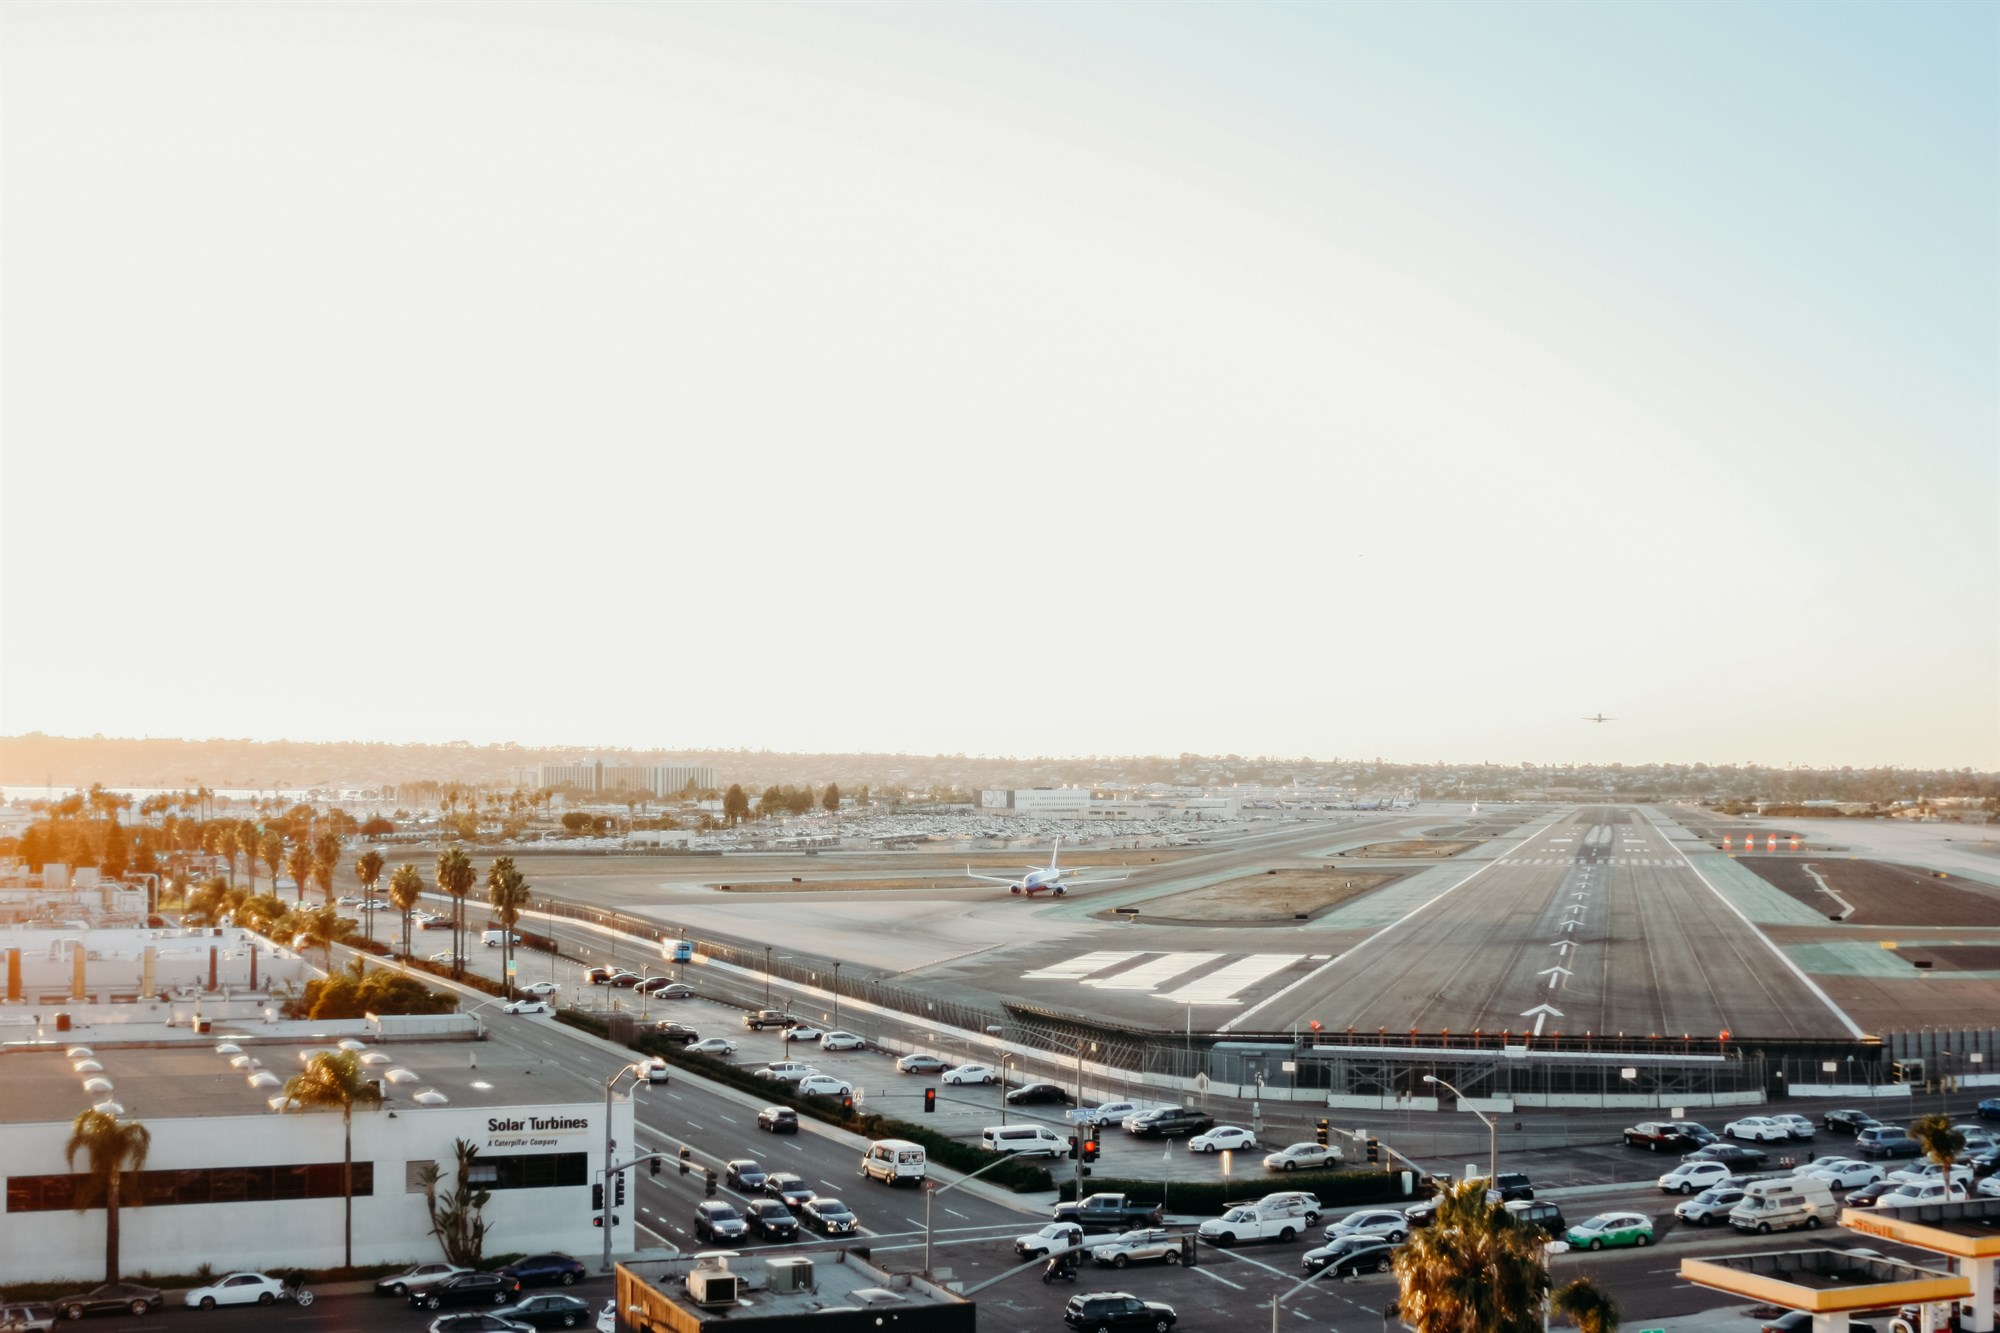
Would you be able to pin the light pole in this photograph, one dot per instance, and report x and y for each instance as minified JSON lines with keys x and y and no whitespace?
{"x":610,"y":1145}
{"x":1005,"y":1061}
{"x":1079,"y":1049}
{"x":767,"y":976}
{"x":1492,"y":1130}
{"x":836,"y":993}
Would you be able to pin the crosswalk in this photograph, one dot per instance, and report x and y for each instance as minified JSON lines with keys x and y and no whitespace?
{"x":1201,"y":980}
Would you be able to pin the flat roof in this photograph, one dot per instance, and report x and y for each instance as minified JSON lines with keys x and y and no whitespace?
{"x":1966,"y":1230}
{"x":1824,"y":1280}
{"x":194,"y":1077}
{"x":840,"y":1281}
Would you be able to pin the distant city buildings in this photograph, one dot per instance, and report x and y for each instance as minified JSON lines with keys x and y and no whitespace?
{"x":597,"y":776}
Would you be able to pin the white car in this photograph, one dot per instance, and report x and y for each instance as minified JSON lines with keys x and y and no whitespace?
{"x":1387,"y":1223}
{"x":969,"y":1074}
{"x":545,"y":989}
{"x":1110,"y":1113}
{"x":1150,"y":1245}
{"x":785,"y":1071}
{"x":802,"y":1032}
{"x":713,"y":1046}
{"x":1961,"y":1176}
{"x":527,"y":1007}
{"x":236,"y":1289}
{"x":1846,"y":1173}
{"x":1989,"y":1188}
{"x":657,"y":1070}
{"x":1223,"y":1138}
{"x":825,"y":1085}
{"x":1797,"y":1125}
{"x":1306,"y":1156}
{"x":607,"y":1318}
{"x":1925,"y":1191}
{"x":840,"y":1041}
{"x":1689,"y":1177}
{"x":1757,"y":1129}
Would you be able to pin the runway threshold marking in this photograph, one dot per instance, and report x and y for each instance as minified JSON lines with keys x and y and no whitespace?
{"x":1077,"y":968}
{"x":1152,"y":975}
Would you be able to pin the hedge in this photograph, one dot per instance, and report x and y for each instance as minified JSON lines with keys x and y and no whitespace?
{"x":1209,"y":1198}
{"x":946,"y":1151}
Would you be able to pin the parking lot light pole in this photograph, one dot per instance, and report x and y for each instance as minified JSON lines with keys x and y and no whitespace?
{"x":610,"y":1145}
{"x":836,"y":992}
{"x":1492,"y":1130}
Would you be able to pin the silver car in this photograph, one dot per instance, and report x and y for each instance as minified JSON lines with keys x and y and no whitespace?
{"x":1384,"y":1222}
{"x":1151,"y":1245}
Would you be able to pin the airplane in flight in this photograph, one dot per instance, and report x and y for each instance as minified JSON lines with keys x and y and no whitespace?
{"x":1600,"y":718}
{"x":1051,"y":878}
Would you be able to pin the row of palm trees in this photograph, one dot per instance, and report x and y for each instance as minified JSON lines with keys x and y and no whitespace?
{"x":507,"y":892}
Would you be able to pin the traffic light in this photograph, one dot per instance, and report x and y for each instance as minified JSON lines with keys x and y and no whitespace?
{"x":653,"y":1165}
{"x":618,"y":1200}
{"x":1090,"y":1150}
{"x":597,"y":1198}
{"x":1374,"y":1149}
{"x":686,"y":1153}
{"x":1072,"y":1147}
{"x":847,"y":1102}
{"x":930,"y":1100}
{"x":710,"y":1188}
{"x":597,"y":1220}
{"x":1322,"y":1134}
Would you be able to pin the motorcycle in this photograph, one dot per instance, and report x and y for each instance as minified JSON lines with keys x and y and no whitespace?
{"x":1059,"y":1268}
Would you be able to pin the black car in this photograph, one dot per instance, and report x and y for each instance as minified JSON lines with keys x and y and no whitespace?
{"x":1171,"y":1122}
{"x":481,"y":1323}
{"x":1029,"y":1094}
{"x":1989,"y":1109}
{"x":717,"y":1221}
{"x":1117,"y":1309}
{"x":771,"y":1220}
{"x":679,"y":1032}
{"x":1512,"y":1185}
{"x":1735,"y":1156}
{"x":1985,"y":1163}
{"x":1801,"y":1321}
{"x":1350,"y":1254}
{"x":551,"y":1310}
{"x":546,"y":1270}
{"x":1862,"y":1196}
{"x":1669,"y":1135}
{"x":111,"y":1298}
{"x":778,"y":1120}
{"x":1539,"y":1214}
{"x":467,"y":1289}
{"x":789,"y":1189}
{"x":830,"y":1217}
{"x":1848,"y":1121}
{"x":744,"y":1174}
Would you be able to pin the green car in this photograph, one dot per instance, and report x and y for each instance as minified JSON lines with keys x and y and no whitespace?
{"x":1594,"y":1233}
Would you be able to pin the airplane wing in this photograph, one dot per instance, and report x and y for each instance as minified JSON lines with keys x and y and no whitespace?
{"x":1069,"y":883}
{"x":990,"y":879}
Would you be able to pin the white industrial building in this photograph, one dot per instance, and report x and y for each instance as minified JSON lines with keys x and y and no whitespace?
{"x":1042,"y":802}
{"x":663,"y":780}
{"x":1078,"y":803}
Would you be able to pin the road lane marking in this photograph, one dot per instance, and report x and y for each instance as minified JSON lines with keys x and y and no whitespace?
{"x":1205,"y":1272}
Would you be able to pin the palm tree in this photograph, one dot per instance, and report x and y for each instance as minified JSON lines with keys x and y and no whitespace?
{"x":299,"y":860}
{"x":1586,"y":1305}
{"x":321,"y":927}
{"x":1941,"y":1143}
{"x":507,"y":890}
{"x":272,"y":849}
{"x":326,"y":859}
{"x":368,"y":869}
{"x":1473,"y":1269}
{"x":406,"y":890}
{"x":247,"y":838}
{"x":334,"y":1078}
{"x":455,"y":876}
{"x":113,"y":1149}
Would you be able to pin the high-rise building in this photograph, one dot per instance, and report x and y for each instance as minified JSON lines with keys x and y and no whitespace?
{"x":597,"y":776}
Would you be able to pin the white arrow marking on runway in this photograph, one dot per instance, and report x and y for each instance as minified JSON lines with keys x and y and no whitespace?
{"x":1564,"y":945}
{"x":1569,"y":925}
{"x":1542,"y":1014}
{"x":1555,"y":975}
{"x":1584,"y":894}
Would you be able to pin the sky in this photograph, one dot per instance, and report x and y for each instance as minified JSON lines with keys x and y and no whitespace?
{"x":1332,"y":380}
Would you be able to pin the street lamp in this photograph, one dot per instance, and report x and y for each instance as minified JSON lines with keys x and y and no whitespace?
{"x":610,"y":1144}
{"x":1492,"y":1130}
{"x":836,"y":993}
{"x":1005,"y":1061}
{"x":767,"y":976}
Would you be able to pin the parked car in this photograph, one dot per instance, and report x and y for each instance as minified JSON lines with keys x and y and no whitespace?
{"x":787,"y":1188}
{"x":1690,"y":1176}
{"x":1611,"y":1229}
{"x":1302,"y":1156}
{"x":1223,"y":1138}
{"x":1886,"y":1141}
{"x":668,"y":1030}
{"x":969,"y":1074}
{"x":1758,"y":1129}
{"x":1150,"y":1245}
{"x":1512,"y":1185}
{"x":829,"y":1217}
{"x":1865,"y":1196}
{"x":533,"y":1006}
{"x":1848,"y":1121}
{"x":778,"y":1120}
{"x":743,"y":1174}
{"x":771,"y":1220}
{"x":110,"y":1298}
{"x":1712,"y":1203}
{"x":919,"y":1063}
{"x":1801,"y":1321}
{"x":1109,"y":1113}
{"x":720,"y":1047}
{"x":1383,"y":1223}
{"x":1989,"y":1109}
{"x":545,"y":989}
{"x":1801,"y":1127}
{"x":487,"y":1323}
{"x":623,"y":980}
{"x":416,"y":1278}
{"x":802,"y":1032}
{"x":785,"y":1071}
{"x":1032,"y":1093}
{"x":1539,"y":1214}
{"x":716,"y":1221}
{"x":665,"y":988}
{"x":841,"y":1041}
{"x":1846,"y":1173}
{"x":27,"y":1318}
{"x":1917,"y":1173}
{"x":1909,"y":1194}
{"x":1117,"y":1309}
{"x":236,"y":1289}
{"x":467,"y":1289}
{"x":1349,"y":1255}
{"x":546,"y":1270}
{"x":549,"y":1309}
{"x":1168,"y":1122}
{"x":1735,"y":1156}
{"x":825,"y":1085}
{"x":1668,"y":1135}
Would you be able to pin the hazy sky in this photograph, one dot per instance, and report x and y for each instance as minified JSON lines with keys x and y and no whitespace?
{"x":1308,"y":379}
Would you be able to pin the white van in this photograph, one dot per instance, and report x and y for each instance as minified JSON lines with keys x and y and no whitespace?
{"x":894,"y":1160}
{"x":495,"y":938}
{"x":1779,"y":1205}
{"x":1023,"y":1141}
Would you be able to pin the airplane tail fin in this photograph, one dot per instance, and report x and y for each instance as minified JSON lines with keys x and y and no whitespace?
{"x":1055,"y":852}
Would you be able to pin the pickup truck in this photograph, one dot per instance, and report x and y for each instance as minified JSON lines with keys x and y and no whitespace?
{"x":759,"y":1019}
{"x":1110,"y":1212}
{"x":1252,"y":1221}
{"x":1058,"y":1236}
